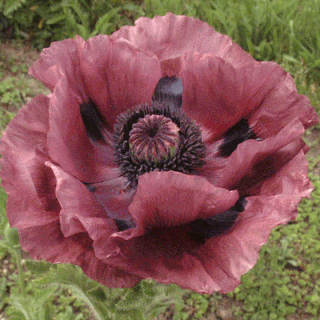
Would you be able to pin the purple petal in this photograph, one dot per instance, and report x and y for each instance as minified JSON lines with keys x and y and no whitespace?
{"x":249,"y":153}
{"x":218,"y":94}
{"x":114,"y":196}
{"x":22,"y":167}
{"x":159,"y":247}
{"x":117,"y":75}
{"x":280,"y":106}
{"x":58,"y":61}
{"x":32,"y":203}
{"x":171,"y":36}
{"x":78,"y":206}
{"x":68,"y":143}
{"x":167,"y":199}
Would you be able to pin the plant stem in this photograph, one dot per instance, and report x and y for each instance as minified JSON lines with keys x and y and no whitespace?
{"x":17,"y":254}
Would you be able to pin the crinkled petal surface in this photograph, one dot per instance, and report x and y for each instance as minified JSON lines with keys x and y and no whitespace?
{"x":168,"y":199}
{"x":70,"y":201}
{"x":252,"y":154}
{"x":113,"y":70}
{"x":169,"y":255}
{"x":223,"y":92}
{"x":67,"y":141}
{"x":104,"y":71}
{"x":50,"y":208}
{"x":171,"y":36}
{"x":222,"y":83}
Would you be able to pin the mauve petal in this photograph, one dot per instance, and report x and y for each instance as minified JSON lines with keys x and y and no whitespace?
{"x":280,"y":106}
{"x":33,"y":208}
{"x":81,"y":214}
{"x":267,"y":169}
{"x":167,"y":199}
{"x":218,"y":94}
{"x":47,"y":242}
{"x":159,"y":247}
{"x":78,"y":206}
{"x":291,"y":178}
{"x":249,"y":153}
{"x":236,"y":252}
{"x":28,"y":182}
{"x":68,"y":143}
{"x":112,"y":192}
{"x":30,"y":186}
{"x":171,"y":36}
{"x":60,"y":60}
{"x":114,"y":196}
{"x":164,"y":258}
{"x":29,"y":127}
{"x":110,"y":276}
{"x":32,"y":204}
{"x":117,"y":75}
{"x":171,"y":67}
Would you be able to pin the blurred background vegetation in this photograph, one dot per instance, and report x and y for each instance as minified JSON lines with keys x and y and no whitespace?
{"x":285,"y":283}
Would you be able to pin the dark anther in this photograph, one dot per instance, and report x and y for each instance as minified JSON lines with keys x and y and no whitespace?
{"x":234,"y":136}
{"x":169,"y":92}
{"x":93,"y":121}
{"x":204,"y":229}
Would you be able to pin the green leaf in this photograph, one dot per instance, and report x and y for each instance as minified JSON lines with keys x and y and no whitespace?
{"x":37,"y":267}
{"x":11,"y":235}
{"x":12,"y":5}
{"x":32,"y":307}
{"x":56,"y":19}
{"x":3,"y":292}
{"x":72,"y":278}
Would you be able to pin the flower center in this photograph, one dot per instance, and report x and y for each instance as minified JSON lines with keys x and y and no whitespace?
{"x":154,"y":138}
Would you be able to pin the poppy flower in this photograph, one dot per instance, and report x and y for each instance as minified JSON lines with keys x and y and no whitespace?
{"x":163,"y":151}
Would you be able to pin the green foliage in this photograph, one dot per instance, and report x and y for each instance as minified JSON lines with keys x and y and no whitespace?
{"x":9,"y":240}
{"x":183,"y":7}
{"x":10,"y":93}
{"x":144,"y":301}
{"x":37,"y":308}
{"x":9,"y":6}
{"x":47,"y":21}
{"x":3,"y":224}
{"x":199,"y":303}
{"x":14,"y":91}
{"x":16,"y":88}
{"x":3,"y":217}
